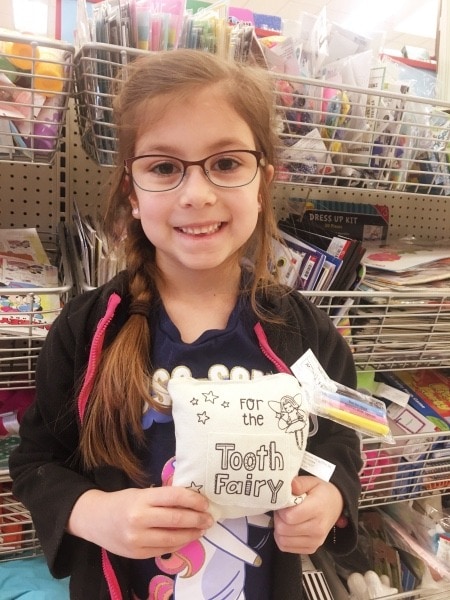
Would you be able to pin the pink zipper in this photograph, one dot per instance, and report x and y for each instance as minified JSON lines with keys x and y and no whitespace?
{"x":110,"y":576}
{"x":267,"y":350}
{"x":96,"y":346}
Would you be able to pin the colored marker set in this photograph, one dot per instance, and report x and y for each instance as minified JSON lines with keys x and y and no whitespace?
{"x":353,"y":409}
{"x":332,"y":400}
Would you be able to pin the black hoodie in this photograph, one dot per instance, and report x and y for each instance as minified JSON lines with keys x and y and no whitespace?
{"x":48,"y":477}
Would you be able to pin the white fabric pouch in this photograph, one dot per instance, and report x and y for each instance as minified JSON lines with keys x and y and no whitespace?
{"x":239,"y":443}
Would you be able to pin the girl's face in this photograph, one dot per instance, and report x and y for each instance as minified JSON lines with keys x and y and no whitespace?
{"x":197,"y":226}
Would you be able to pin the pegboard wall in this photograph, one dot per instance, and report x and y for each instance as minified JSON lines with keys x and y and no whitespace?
{"x":425,"y":217}
{"x":34,"y":195}
{"x":41,"y":195}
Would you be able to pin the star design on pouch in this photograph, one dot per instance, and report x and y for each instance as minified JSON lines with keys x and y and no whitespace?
{"x":210,"y":396}
{"x":194,"y":401}
{"x":194,"y":487}
{"x":202,"y":417}
{"x":225,"y":404}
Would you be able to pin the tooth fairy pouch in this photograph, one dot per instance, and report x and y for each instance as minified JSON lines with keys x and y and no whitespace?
{"x":239,"y":443}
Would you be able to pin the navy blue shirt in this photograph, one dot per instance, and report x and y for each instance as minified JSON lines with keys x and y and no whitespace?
{"x":226,"y":354}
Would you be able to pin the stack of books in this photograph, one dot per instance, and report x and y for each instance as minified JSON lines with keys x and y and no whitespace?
{"x":323,"y":245}
{"x":403,"y":265}
{"x":28,"y":302}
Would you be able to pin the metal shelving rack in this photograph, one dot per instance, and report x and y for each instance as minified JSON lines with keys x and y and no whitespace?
{"x":22,"y":335}
{"x":410,"y":469}
{"x":17,"y":534}
{"x":36,"y":83}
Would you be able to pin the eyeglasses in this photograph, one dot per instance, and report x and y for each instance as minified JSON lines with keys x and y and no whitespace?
{"x":160,"y":173}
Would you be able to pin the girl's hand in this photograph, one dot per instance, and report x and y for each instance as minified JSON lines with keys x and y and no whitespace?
{"x":140,"y":523}
{"x":303,"y":528}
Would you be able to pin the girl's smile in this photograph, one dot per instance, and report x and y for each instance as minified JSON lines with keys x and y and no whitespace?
{"x":200,"y":230}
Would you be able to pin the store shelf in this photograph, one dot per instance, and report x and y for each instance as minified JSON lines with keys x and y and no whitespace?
{"x":96,"y":68}
{"x":333,"y":135}
{"x":385,"y":331}
{"x":22,"y":336}
{"x":392,"y":330}
{"x":415,"y":466}
{"x":17,"y":534}
{"x":338,"y":135}
{"x":36,"y":82}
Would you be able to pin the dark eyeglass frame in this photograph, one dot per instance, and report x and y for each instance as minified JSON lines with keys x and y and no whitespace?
{"x":127,"y":163}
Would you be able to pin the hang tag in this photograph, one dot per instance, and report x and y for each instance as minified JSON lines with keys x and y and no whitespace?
{"x":317,"y":466}
{"x":309,"y":371}
{"x":332,"y":400}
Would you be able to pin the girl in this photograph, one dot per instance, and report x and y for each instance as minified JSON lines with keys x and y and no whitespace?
{"x":196,"y":156}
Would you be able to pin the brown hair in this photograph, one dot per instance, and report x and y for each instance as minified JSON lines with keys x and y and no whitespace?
{"x":122,"y":385}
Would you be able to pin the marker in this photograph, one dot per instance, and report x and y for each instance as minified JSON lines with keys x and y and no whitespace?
{"x":359,"y":422}
{"x":367,"y":407}
{"x":364,"y":412}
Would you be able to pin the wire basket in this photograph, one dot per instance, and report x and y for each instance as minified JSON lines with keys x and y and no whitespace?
{"x":36,"y":81}
{"x":339,"y":135}
{"x":97,"y":66}
{"x":387,"y":477}
{"x":332,"y":134}
{"x":22,"y":332}
{"x":415,"y":466}
{"x":389,"y":331}
{"x":17,"y":534}
{"x":386,"y":331}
